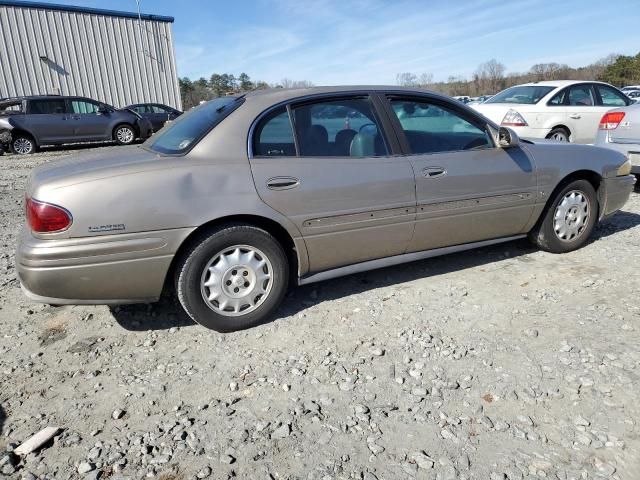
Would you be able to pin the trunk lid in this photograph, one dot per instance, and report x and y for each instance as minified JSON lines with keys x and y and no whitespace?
{"x":87,"y":166}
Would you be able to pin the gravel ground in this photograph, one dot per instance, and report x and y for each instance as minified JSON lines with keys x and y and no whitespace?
{"x":500,"y":363}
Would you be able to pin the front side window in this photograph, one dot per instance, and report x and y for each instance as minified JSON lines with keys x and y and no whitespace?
{"x":43,"y":107}
{"x":431,"y":128}
{"x":581,"y":96}
{"x":526,"y":94}
{"x":273,"y":137}
{"x":188,"y":129}
{"x":84,"y":106}
{"x":611,"y":97}
{"x":559,"y":98}
{"x":338,"y":128}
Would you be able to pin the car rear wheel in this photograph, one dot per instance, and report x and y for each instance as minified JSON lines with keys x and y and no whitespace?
{"x":124,"y":134}
{"x":23,"y":144}
{"x":568,"y":220}
{"x":559,"y":134}
{"x":232,"y":278}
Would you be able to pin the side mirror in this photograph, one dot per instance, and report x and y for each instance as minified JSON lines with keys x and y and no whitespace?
{"x":504,"y":137}
{"x":103,"y":110}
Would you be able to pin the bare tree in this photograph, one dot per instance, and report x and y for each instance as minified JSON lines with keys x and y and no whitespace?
{"x":407,"y":79}
{"x":489,"y":76}
{"x":288,"y":83}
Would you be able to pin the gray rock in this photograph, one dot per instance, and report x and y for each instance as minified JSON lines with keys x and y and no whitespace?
{"x":282,"y":431}
{"x":117,"y":414}
{"x":85,"y":467}
{"x":204,"y":472}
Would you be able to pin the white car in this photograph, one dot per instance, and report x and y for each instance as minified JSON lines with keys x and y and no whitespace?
{"x":633,"y":95}
{"x":562,"y":110}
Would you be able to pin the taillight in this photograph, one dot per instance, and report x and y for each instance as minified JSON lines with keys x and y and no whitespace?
{"x":611,"y":120}
{"x":46,"y":218}
{"x":513,"y":119}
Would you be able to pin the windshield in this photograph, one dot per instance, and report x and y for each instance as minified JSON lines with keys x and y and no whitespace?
{"x":529,"y":94}
{"x":10,"y":106}
{"x":185,"y":132}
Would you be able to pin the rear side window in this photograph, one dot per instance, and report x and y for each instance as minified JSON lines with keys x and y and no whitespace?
{"x":337,"y":128}
{"x":273,"y":136}
{"x":185,"y":132}
{"x":41,"y":107}
{"x":611,"y":97}
{"x":581,"y":96}
{"x":559,"y":98}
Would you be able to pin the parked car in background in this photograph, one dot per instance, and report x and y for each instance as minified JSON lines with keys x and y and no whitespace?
{"x":633,"y":95}
{"x":479,"y":100}
{"x":630,"y":87}
{"x":156,"y":113}
{"x":620,"y":130}
{"x":562,"y":110}
{"x":56,"y":120}
{"x":462,"y":98}
{"x":240,"y":196}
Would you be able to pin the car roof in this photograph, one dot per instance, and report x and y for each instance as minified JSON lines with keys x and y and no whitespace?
{"x":286,"y":94}
{"x":558,"y":83}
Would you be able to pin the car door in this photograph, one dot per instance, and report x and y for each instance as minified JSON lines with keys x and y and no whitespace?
{"x":327,"y":165}
{"x":90,"y":123}
{"x":467,"y":189}
{"x":47,"y":121}
{"x":583,"y":113}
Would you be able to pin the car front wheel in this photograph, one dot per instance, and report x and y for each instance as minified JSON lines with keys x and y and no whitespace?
{"x":568,"y":220}
{"x":124,"y":134}
{"x":232,"y":278}
{"x":23,"y":144}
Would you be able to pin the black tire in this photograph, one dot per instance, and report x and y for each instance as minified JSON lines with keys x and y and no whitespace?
{"x":124,"y":134}
{"x":23,"y":144}
{"x":544,"y":234}
{"x":559,"y":134}
{"x":190,"y":274}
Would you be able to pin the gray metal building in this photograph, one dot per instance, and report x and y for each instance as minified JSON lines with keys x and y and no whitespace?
{"x":115,"y":57}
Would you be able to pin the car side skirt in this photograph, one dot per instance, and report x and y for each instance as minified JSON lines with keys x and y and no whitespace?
{"x":399,"y":259}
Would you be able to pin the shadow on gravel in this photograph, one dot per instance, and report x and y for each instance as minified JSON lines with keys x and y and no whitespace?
{"x":620,"y":221}
{"x":3,"y":416}
{"x":167,"y":313}
{"x":163,"y":315}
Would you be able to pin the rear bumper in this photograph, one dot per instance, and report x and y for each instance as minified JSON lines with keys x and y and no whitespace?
{"x":109,"y":269}
{"x":630,"y":150}
{"x":615,"y":193}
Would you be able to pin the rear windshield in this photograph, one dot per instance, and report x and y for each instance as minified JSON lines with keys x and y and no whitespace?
{"x":187,"y":130}
{"x":529,"y":94}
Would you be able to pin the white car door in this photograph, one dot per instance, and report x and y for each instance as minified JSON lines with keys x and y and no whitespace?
{"x":583,"y":113}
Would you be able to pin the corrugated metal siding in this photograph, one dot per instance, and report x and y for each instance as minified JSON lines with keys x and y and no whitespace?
{"x":113,"y":59}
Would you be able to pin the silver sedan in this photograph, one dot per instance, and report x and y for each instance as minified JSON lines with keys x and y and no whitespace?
{"x":620,"y":130}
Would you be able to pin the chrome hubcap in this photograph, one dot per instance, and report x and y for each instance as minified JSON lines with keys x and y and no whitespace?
{"x":125,"y":135}
{"x":22,"y":146}
{"x":559,"y":137}
{"x":571,"y":216}
{"x":236,"y":280}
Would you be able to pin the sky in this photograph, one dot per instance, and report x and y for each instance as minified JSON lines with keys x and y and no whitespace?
{"x":331,"y":42}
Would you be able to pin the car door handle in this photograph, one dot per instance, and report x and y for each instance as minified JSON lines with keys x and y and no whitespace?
{"x":575,"y":116}
{"x":282,"y":183}
{"x":433,"y":172}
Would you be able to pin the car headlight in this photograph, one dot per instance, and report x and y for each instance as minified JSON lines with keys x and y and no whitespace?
{"x":624,"y":169}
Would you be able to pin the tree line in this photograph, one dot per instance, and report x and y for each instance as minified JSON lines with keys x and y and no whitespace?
{"x":195,"y":91}
{"x":490,"y":77}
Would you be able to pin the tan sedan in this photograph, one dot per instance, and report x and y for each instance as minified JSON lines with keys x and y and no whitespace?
{"x":242,"y":196}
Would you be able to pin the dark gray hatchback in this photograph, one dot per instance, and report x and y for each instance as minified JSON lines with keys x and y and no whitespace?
{"x":55,"y":120}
